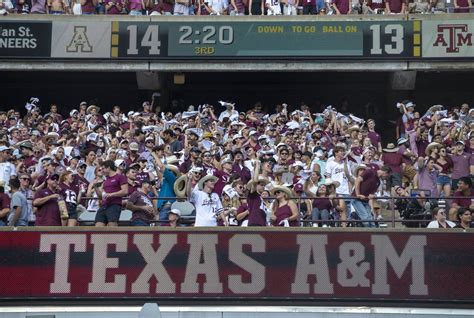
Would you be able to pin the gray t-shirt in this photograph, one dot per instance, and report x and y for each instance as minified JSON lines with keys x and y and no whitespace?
{"x":19,"y":200}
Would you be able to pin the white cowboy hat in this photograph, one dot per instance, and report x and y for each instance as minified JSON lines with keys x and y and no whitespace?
{"x":205,"y":179}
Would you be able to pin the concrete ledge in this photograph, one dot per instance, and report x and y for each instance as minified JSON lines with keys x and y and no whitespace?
{"x":234,"y":312}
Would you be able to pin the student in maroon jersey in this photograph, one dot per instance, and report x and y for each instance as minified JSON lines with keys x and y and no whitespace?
{"x":462,"y":6}
{"x":131,"y":174}
{"x":141,"y":205}
{"x":46,"y":202}
{"x":72,"y":195}
{"x":256,"y":208}
{"x":464,"y":199}
{"x":341,"y":6}
{"x":114,"y":188}
{"x":223,"y":175}
{"x":395,"y":6}
{"x":284,"y":211}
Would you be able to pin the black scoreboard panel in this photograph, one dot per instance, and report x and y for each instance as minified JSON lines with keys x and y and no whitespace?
{"x":268,"y":40}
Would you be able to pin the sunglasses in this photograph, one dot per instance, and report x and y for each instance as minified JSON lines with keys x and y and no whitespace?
{"x":277,"y":192}
{"x":28,"y":179}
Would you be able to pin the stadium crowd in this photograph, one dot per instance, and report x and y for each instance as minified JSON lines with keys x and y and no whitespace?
{"x":232,"y":7}
{"x":231,"y":168}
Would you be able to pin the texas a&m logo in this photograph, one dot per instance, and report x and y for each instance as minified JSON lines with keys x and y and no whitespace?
{"x":453,"y":36}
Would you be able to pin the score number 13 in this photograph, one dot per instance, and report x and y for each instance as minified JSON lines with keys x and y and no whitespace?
{"x":395,"y":46}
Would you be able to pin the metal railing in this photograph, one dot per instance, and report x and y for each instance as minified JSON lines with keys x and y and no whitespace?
{"x":393,"y":220}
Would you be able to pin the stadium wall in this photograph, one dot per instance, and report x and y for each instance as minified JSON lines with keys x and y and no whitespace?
{"x":270,"y":266}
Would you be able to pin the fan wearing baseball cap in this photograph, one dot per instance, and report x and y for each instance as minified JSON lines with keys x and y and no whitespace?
{"x":46,"y":202}
{"x":141,"y":205}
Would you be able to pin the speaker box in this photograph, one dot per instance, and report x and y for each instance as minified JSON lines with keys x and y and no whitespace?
{"x":148,"y":80}
{"x":404,"y":80}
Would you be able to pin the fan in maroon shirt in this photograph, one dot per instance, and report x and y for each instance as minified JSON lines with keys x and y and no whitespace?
{"x":46,"y":201}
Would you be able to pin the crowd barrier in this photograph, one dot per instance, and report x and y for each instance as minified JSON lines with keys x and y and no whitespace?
{"x":264,"y":265}
{"x":392,"y":219}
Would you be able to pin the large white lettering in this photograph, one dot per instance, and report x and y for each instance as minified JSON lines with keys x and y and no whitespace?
{"x":254,"y":268}
{"x":154,"y":263}
{"x":312,"y":246}
{"x":202,"y":247}
{"x":385,"y":253}
{"x":351,"y":254}
{"x":63,"y":243}
{"x":101,"y":263}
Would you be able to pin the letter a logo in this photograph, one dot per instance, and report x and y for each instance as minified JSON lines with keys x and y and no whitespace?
{"x":79,"y":41}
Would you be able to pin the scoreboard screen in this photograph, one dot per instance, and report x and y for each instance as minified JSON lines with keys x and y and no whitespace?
{"x":292,"y":40}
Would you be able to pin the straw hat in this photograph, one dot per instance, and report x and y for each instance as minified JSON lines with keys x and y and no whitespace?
{"x":359,"y":167}
{"x":173,"y":168}
{"x":285,"y":190}
{"x":92,"y":107}
{"x":179,"y":186}
{"x":391,"y":148}
{"x":431,"y":146}
{"x":205,"y":179}
{"x":353,"y":128}
{"x":50,"y":138}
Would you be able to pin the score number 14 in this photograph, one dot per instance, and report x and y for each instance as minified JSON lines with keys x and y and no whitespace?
{"x":396,"y":41}
{"x":150,"y":39}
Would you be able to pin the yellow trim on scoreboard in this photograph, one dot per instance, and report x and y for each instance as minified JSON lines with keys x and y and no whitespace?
{"x":416,"y":39}
{"x":115,"y":39}
{"x":416,"y":51}
{"x":417,"y":26}
{"x":115,"y":26}
{"x":114,"y":52}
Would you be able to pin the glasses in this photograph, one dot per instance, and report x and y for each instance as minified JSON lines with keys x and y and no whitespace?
{"x":26,"y":179}
{"x":149,"y":142}
{"x":206,"y":155}
{"x":277,"y":192}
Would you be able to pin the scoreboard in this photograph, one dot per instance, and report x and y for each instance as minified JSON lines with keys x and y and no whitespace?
{"x":264,"y":39}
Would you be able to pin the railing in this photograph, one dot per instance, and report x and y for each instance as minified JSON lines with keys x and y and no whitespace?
{"x":393,"y":220}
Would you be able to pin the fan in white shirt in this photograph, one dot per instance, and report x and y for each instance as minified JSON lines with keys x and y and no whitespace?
{"x":206,"y":201}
